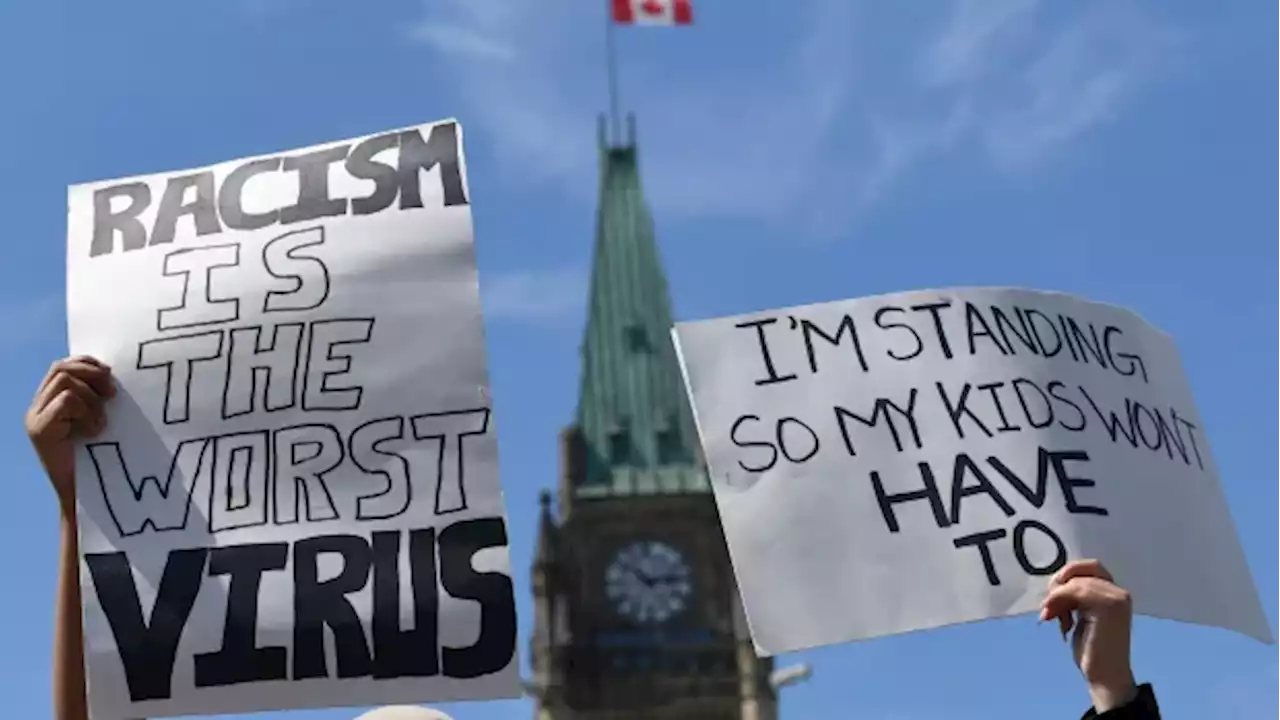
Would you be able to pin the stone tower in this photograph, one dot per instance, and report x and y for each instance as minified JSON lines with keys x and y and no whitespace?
{"x":636,"y":612}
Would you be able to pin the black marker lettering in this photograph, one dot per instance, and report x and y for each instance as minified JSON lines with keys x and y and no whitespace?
{"x":137,"y":501}
{"x":887,"y":500}
{"x":294,"y":257}
{"x":938,"y":328}
{"x":1132,"y":364}
{"x":1040,"y":420}
{"x":886,"y":325}
{"x":327,"y":362}
{"x":964,"y":465}
{"x":495,"y":647}
{"x":147,"y":648}
{"x":804,"y":436}
{"x":765,"y":355}
{"x":396,"y":652}
{"x":881,"y":411}
{"x":734,"y":437}
{"x":983,"y":541}
{"x":238,"y":493}
{"x":202,"y":301}
{"x":317,"y":605}
{"x":1030,"y":318}
{"x":178,"y":355}
{"x":972,"y":320}
{"x":993,"y":389}
{"x":808,"y":329}
{"x":450,"y":431}
{"x":304,"y":455}
{"x":1068,"y":482}
{"x":1020,"y":549}
{"x":1055,"y":390}
{"x":960,"y":408}
{"x":273,"y":358}
{"x":371,"y":450}
{"x":240,"y":660}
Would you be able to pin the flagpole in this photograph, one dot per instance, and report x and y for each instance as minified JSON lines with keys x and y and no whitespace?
{"x":611,"y":68}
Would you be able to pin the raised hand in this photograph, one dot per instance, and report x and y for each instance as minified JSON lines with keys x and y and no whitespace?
{"x":69,"y":404}
{"x":1083,"y":596}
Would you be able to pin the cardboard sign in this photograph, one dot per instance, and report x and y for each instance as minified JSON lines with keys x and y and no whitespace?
{"x":296,"y":503}
{"x":911,"y":461}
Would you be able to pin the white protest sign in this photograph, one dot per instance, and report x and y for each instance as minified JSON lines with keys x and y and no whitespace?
{"x":296,"y":502}
{"x":911,"y":461}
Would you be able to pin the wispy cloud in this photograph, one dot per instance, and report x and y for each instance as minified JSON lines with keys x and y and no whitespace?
{"x":549,"y":295}
{"x":1078,"y":81}
{"x":460,"y":41}
{"x":975,"y":34}
{"x":813,"y":110}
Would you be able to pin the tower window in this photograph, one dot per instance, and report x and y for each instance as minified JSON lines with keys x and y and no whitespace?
{"x":620,"y":447}
{"x":637,"y":339}
{"x":669,"y":450}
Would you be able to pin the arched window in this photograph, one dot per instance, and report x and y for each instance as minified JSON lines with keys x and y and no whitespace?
{"x":620,"y":446}
{"x":637,"y":338}
{"x":670,"y":451}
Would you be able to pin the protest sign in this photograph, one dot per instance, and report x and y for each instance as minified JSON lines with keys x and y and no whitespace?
{"x":911,"y":461}
{"x":296,"y":501}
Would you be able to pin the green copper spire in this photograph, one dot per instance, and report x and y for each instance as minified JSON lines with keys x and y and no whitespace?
{"x":637,"y":431}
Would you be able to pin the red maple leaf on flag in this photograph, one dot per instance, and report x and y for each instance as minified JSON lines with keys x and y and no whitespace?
{"x":653,"y":12}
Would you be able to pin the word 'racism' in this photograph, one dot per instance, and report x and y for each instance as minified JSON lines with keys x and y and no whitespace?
{"x":216,"y":206}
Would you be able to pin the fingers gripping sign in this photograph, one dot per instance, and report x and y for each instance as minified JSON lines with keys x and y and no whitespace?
{"x":1085,"y":597}
{"x":1068,"y":598}
{"x":69,"y":404}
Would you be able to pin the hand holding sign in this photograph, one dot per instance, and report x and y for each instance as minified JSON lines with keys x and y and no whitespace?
{"x":68,"y":405}
{"x":1084,"y":596}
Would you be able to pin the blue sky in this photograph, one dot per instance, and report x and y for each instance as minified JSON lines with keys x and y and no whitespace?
{"x":793,"y":152}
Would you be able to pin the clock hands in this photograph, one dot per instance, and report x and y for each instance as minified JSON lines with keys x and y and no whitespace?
{"x":655,"y":579}
{"x":649,"y":581}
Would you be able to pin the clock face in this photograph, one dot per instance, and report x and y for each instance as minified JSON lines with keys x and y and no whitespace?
{"x":648,"y":582}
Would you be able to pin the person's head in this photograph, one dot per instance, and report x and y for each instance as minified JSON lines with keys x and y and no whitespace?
{"x":403,"y":712}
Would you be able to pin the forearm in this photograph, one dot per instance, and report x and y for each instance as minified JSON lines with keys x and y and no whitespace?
{"x":1118,"y":692}
{"x":69,"y":698}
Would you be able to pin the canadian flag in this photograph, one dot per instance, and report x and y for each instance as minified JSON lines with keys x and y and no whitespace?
{"x":652,"y":12}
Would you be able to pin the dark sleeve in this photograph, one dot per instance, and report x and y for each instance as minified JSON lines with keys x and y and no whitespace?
{"x":1143,"y":707}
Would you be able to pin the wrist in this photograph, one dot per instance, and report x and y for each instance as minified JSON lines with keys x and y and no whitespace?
{"x":67,"y":517}
{"x":1112,"y":694}
{"x":67,"y":510}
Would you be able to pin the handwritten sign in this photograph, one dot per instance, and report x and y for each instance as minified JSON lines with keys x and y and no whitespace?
{"x":911,"y":461}
{"x":296,"y":503}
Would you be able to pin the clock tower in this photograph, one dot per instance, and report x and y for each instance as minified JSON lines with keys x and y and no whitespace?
{"x":636,"y":614}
